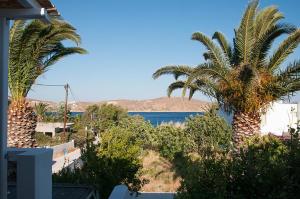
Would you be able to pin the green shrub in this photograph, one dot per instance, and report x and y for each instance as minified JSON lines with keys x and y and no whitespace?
{"x":209,"y":130}
{"x":265,"y":168}
{"x":44,"y":140}
{"x":101,"y":118}
{"x":204,"y":177}
{"x":171,"y":140}
{"x":143,"y":130}
{"x":115,"y":161}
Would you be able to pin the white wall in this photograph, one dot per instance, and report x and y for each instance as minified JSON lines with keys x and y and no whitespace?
{"x":277,"y":118}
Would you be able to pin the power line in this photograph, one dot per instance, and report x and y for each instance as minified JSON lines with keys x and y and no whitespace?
{"x":73,"y":96}
{"x":60,"y":85}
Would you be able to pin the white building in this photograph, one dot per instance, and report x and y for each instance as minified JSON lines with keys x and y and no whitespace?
{"x":277,"y":119}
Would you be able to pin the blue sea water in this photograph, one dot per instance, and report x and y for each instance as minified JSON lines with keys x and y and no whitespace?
{"x":156,"y":118}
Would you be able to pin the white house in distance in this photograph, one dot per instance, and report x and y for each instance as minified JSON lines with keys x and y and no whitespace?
{"x":51,"y":129}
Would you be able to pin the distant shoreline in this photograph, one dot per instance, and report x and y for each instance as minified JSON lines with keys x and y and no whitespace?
{"x":166,"y":111}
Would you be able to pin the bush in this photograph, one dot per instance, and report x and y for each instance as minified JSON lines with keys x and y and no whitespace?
{"x":209,"y":130}
{"x":171,"y":140}
{"x":44,"y":140}
{"x":265,"y":168}
{"x":115,"y":161}
{"x":143,"y":130}
{"x":101,"y":118}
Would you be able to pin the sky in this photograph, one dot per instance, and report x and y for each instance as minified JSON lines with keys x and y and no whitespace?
{"x":129,"y":40}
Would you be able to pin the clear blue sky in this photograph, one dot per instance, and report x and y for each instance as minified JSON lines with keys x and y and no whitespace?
{"x":128,"y":40}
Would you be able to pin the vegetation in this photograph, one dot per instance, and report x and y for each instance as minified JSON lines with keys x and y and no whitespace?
{"x":114,"y":161}
{"x":265,"y":168}
{"x":243,"y":76}
{"x":171,"y":140}
{"x":40,"y":110}
{"x":34,"y":48}
{"x":209,"y":130}
{"x":101,"y":118}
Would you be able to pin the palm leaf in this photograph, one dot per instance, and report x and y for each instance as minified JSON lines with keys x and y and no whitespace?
{"x":176,"y":71}
{"x":244,"y":40}
{"x":215,"y":53}
{"x":284,"y":50}
{"x":223,"y":43}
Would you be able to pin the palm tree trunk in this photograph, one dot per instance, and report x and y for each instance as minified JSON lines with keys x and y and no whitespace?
{"x":244,"y":126}
{"x":21,"y":125}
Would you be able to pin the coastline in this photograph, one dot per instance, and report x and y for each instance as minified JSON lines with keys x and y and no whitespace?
{"x":166,"y":111}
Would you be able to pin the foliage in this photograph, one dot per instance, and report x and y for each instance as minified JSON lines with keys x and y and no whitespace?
{"x":40,"y":110}
{"x":204,"y":177}
{"x":266,"y":168}
{"x":101,"y":118}
{"x":34,"y":48}
{"x":114,"y":161}
{"x":143,"y":130}
{"x":58,"y":114}
{"x":208,"y":130}
{"x":171,"y":140}
{"x":241,"y":76}
{"x":44,"y":140}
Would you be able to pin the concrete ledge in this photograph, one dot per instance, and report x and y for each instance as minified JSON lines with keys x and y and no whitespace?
{"x":34,"y":175}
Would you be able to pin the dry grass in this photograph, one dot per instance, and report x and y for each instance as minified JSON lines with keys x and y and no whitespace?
{"x":159,"y":172}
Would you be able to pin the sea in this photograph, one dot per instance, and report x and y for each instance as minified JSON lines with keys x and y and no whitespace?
{"x":157,"y":118}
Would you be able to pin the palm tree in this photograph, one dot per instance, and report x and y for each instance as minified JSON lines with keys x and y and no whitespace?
{"x":40,"y":110}
{"x":34,"y":47}
{"x":243,"y":77}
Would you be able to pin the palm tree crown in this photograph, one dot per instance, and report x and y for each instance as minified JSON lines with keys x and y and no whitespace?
{"x":34,"y":47}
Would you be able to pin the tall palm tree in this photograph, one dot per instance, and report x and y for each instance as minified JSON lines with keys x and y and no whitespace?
{"x":34,"y":47}
{"x":244,"y":77}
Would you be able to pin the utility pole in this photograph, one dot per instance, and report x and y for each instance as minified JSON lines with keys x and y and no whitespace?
{"x":66,"y":108}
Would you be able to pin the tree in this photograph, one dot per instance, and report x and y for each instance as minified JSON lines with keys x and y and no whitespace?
{"x":40,"y":110}
{"x":243,"y":77}
{"x":208,"y":130}
{"x":103,"y":117}
{"x":34,"y":47}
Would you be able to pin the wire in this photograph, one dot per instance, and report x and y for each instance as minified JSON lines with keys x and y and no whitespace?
{"x":49,"y":85}
{"x":73,"y":96}
{"x":61,"y":85}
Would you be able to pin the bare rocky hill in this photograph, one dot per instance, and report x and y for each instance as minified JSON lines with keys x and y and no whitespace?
{"x":163,"y":104}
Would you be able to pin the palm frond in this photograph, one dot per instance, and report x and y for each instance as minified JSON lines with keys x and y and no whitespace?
{"x":223,"y":43}
{"x":291,"y":71}
{"x":34,"y":46}
{"x":244,"y":40}
{"x":215,"y":53}
{"x":176,"y":71}
{"x":266,"y":19}
{"x":174,"y":86}
{"x":284,"y":50}
{"x":264,"y":43}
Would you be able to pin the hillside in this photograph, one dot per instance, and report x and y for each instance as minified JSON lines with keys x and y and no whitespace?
{"x":163,"y":104}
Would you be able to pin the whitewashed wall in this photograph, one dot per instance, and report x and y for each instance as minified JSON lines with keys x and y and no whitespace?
{"x":277,"y":118}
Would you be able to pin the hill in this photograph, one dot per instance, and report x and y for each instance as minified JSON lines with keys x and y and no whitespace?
{"x":163,"y":104}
